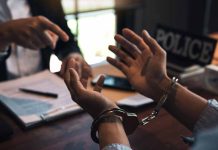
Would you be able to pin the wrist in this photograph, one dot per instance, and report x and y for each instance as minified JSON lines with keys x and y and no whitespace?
{"x":164,"y":83}
{"x":168,"y":87}
{"x":129,"y":121}
{"x":111,"y":131}
{"x":160,"y":87}
{"x":4,"y":36}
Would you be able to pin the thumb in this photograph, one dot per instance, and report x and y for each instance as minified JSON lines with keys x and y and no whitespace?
{"x":99,"y":84}
{"x":53,"y":38}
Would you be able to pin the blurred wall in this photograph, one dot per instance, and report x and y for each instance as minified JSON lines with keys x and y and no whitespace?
{"x":188,"y":15}
{"x":168,"y":12}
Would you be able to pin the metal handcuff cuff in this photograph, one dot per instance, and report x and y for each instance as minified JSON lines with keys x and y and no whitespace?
{"x":130,"y":121}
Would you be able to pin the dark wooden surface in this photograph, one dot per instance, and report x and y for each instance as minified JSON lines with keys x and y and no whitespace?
{"x":73,"y":133}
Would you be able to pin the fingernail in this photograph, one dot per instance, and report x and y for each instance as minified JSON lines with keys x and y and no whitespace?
{"x":146,"y":33}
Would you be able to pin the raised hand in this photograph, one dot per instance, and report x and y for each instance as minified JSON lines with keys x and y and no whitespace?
{"x":91,"y":101}
{"x":142,"y":60}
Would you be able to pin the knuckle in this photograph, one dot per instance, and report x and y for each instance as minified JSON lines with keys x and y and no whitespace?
{"x":53,"y":25}
{"x":163,"y":52}
{"x":152,"y":40}
{"x":40,"y":18}
{"x":139,"y":41}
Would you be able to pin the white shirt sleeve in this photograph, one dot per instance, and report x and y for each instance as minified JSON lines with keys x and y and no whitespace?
{"x":208,"y":118}
{"x":116,"y":147}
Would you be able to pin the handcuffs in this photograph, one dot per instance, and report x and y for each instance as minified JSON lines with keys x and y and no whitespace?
{"x":130,"y":121}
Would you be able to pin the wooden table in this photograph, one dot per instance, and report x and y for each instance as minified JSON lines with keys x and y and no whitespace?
{"x":73,"y":132}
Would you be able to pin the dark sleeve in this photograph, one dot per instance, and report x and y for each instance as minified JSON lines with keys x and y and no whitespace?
{"x":3,"y":73}
{"x":53,"y":10}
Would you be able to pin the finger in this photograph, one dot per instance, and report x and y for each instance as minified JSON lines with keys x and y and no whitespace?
{"x":84,"y":82}
{"x":135,"y":39}
{"x":47,"y":39}
{"x":122,"y":55}
{"x":78,"y":68}
{"x":51,"y":38}
{"x":87,"y":69}
{"x":119,"y":65}
{"x":47,"y":24}
{"x":53,"y":35}
{"x":63,"y":67}
{"x":99,"y":85}
{"x":152,"y":43}
{"x":75,"y":83}
{"x":129,"y":47}
{"x":69,"y":64}
{"x":36,"y":42}
{"x":67,"y":81}
{"x":85,"y":75}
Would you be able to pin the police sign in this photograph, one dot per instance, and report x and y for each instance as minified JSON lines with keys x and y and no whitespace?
{"x":185,"y":47}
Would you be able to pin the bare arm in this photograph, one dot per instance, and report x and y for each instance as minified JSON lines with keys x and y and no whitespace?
{"x":185,"y":105}
{"x":112,"y":132}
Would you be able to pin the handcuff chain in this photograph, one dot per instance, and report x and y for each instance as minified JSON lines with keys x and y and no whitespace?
{"x":162,"y":100}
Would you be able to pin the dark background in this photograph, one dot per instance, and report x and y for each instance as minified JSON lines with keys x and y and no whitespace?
{"x":195,"y":16}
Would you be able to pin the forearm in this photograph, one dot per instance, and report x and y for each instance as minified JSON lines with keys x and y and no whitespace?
{"x":185,"y":105}
{"x":112,"y":132}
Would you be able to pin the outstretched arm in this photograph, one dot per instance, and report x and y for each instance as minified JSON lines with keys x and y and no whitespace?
{"x":143,"y":61}
{"x":110,"y":130}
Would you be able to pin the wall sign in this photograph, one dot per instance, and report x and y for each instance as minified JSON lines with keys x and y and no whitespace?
{"x":185,"y":47}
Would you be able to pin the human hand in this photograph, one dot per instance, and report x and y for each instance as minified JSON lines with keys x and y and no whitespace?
{"x":80,"y":65}
{"x":143,"y":62}
{"x":34,"y":32}
{"x":91,"y":101}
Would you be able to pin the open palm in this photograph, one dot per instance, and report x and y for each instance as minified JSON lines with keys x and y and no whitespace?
{"x":142,"y":60}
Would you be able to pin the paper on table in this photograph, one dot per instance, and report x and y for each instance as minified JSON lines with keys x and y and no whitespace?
{"x":134,"y":101}
{"x":31,"y":108}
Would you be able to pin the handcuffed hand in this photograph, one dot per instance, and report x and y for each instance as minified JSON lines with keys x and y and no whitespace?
{"x":142,"y":60}
{"x":91,"y":101}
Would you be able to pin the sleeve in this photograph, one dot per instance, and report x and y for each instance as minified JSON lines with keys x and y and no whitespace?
{"x":5,"y":54}
{"x":63,"y":48}
{"x":3,"y":57}
{"x":206,"y":140}
{"x":53,"y":10}
{"x":116,"y":147}
{"x":208,"y":118}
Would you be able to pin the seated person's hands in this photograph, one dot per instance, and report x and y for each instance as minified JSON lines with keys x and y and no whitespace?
{"x":81,"y":66}
{"x":34,"y":33}
{"x":143,"y":61}
{"x":91,"y":101}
